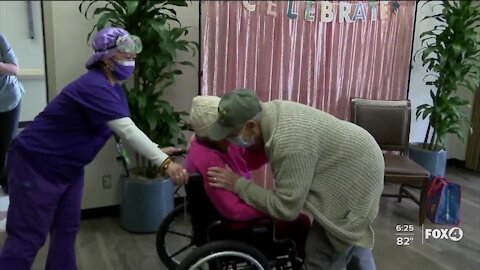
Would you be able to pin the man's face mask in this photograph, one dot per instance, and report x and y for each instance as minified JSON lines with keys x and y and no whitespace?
{"x":240,"y":141}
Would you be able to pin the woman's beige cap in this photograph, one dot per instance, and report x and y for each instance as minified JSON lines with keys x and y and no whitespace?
{"x":204,"y":113}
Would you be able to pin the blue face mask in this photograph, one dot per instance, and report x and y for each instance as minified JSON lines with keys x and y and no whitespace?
{"x":240,"y":142}
{"x":123,"y":69}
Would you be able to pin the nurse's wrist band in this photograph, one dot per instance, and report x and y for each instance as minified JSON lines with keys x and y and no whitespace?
{"x":164,"y":166}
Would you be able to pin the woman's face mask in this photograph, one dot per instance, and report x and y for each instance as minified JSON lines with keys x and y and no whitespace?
{"x":123,"y":69}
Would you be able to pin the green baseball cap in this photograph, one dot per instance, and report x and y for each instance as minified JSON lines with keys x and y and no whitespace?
{"x":234,"y":110}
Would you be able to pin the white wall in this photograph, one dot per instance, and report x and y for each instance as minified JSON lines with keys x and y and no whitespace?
{"x":67,"y":51}
{"x":186,"y":86}
{"x":420,"y":93}
{"x":14,"y":25}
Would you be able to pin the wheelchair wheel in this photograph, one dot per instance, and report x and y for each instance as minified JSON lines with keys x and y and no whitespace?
{"x":174,"y":237}
{"x":219,"y":255}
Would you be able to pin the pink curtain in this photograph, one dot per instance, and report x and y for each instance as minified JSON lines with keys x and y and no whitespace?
{"x":321,"y":64}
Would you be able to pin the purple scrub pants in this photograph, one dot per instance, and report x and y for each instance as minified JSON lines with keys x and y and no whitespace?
{"x":39,"y":205}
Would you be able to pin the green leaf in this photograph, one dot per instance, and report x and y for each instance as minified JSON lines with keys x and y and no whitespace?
{"x":426,"y":113}
{"x":178,"y":3}
{"x":131,"y":6}
{"x":173,"y":125}
{"x":438,"y":17}
{"x":160,"y":28}
{"x":90,"y":33}
{"x":81,"y":5}
{"x":457,"y":48}
{"x":152,"y":121}
{"x":177,"y":72}
{"x":88,"y":7}
{"x":118,"y":8}
{"x":142,"y":102}
{"x":186,"y":63}
{"x":432,"y":95}
{"x":165,"y":106}
{"x":427,"y":52}
{"x":102,"y":21}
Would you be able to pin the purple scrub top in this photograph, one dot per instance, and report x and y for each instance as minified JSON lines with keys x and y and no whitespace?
{"x":72,"y":129}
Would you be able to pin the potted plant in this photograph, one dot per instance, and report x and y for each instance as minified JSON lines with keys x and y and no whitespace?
{"x":450,"y":54}
{"x":146,"y":197}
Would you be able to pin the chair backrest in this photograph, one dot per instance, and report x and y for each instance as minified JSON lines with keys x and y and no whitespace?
{"x":388,"y":121}
{"x":200,"y":208}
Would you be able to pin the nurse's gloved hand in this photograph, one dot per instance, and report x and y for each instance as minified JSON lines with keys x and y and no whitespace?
{"x":177,"y":173}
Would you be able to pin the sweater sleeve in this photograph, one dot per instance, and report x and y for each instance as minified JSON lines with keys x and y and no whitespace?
{"x":293,"y":176}
{"x":228,"y":204}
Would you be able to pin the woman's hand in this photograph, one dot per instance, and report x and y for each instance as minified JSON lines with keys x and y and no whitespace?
{"x":222,"y":177}
{"x":171,"y":150}
{"x":177,"y":173}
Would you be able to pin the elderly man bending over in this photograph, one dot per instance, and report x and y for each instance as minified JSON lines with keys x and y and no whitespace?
{"x":328,"y":167}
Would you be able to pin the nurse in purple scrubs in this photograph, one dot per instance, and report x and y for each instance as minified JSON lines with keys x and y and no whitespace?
{"x":46,"y":161}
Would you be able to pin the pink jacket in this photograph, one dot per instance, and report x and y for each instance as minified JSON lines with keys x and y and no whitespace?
{"x":201,"y":157}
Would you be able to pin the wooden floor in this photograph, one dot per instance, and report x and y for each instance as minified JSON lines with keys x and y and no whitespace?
{"x":103,"y":245}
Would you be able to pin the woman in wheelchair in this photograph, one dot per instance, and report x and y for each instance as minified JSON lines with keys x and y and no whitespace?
{"x":204,"y":154}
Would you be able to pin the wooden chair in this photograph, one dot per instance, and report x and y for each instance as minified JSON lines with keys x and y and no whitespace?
{"x":389,"y":124}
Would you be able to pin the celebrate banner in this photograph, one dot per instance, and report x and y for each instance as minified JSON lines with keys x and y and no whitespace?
{"x":328,"y":11}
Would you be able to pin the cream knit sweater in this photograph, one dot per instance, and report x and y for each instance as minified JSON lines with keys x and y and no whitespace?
{"x":330,"y":167}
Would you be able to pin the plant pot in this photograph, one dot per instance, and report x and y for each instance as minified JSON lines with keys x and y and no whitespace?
{"x":144,"y":203}
{"x":434,"y":162}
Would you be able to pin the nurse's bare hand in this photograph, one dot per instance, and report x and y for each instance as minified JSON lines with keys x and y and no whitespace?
{"x":171,"y":150}
{"x":178,"y":174}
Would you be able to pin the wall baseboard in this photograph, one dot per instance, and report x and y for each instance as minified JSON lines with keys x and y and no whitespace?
{"x":455,"y":162}
{"x":107,"y":211}
{"x":23,"y":124}
{"x":111,"y":211}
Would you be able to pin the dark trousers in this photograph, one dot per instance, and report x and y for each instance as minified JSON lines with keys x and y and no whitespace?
{"x":8,"y":129}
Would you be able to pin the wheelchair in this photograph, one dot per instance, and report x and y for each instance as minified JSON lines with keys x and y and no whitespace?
{"x":194,"y":236}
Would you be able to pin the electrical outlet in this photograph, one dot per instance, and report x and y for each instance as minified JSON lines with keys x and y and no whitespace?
{"x":107,"y":181}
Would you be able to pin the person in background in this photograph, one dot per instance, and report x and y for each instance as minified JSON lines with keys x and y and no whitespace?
{"x":11,"y":91}
{"x":204,"y":153}
{"x":331,"y":168}
{"x":46,"y":161}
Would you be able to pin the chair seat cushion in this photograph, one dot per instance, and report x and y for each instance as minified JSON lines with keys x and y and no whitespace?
{"x":402,"y":165}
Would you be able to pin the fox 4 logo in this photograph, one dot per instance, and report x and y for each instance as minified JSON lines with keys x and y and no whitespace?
{"x":454,"y":234}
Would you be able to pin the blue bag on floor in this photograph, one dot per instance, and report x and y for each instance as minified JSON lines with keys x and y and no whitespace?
{"x":443,"y":198}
